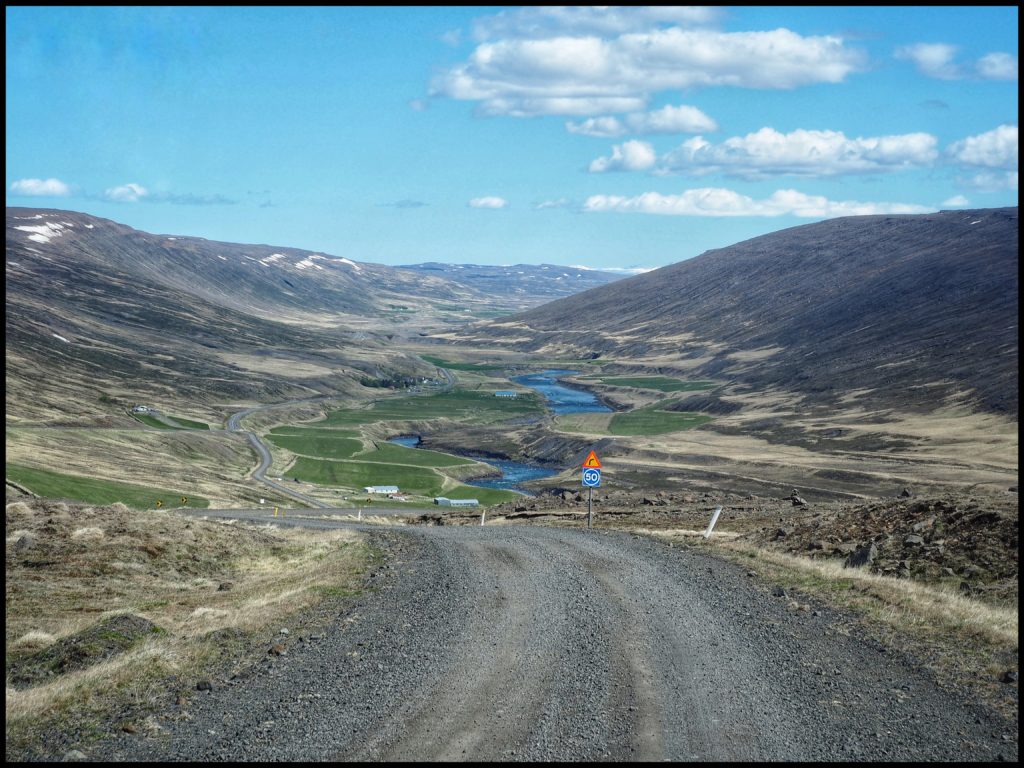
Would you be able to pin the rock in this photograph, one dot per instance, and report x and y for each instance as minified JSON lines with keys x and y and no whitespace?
{"x":798,"y":502}
{"x":905,"y":493}
{"x":913,"y":540}
{"x":1009,"y":676}
{"x":782,"y":533}
{"x":278,"y":649}
{"x":864,"y":555}
{"x":923,"y":525}
{"x":779,"y":592}
{"x":283,"y":632}
{"x":817,"y":544}
{"x":204,"y":685}
{"x":24,"y":543}
{"x":224,"y":586}
{"x":74,"y":756}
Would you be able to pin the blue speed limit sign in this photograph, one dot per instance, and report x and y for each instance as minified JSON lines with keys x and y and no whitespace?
{"x":592,"y":478}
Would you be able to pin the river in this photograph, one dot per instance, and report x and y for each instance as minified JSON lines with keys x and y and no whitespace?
{"x":560,"y":399}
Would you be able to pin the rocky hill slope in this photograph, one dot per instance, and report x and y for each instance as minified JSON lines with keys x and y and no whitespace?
{"x":913,"y":311}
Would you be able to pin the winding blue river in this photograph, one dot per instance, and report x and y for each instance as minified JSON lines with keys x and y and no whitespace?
{"x":560,"y":399}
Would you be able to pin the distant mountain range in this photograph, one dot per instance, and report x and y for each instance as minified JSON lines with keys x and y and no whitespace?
{"x":92,"y":303}
{"x":529,"y":281}
{"x":910,"y":311}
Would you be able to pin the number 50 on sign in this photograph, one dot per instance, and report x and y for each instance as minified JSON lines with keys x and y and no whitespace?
{"x":591,"y":477}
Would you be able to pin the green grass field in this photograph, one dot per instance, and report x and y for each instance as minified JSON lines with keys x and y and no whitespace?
{"x":181,"y":423}
{"x":92,"y":491}
{"x":421,"y":481}
{"x":442,"y":363}
{"x":149,"y":421}
{"x":660,"y":383}
{"x":314,"y":431}
{"x":318,"y":443}
{"x":389,"y":453}
{"x":650,"y":421}
{"x":188,"y":423}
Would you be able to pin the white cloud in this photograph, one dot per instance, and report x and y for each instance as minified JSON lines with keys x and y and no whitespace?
{"x":932,"y":59}
{"x":957,"y":201}
{"x":488,"y":202}
{"x":40,"y":188}
{"x":126,"y":193}
{"x":993,"y":149}
{"x":998,"y":66}
{"x":767,"y":152}
{"x":546,"y":21}
{"x":710,"y":201}
{"x":668,"y":119}
{"x":937,"y":60}
{"x":990,"y":181}
{"x":561,"y":202}
{"x":602,"y":127}
{"x":580,"y":75}
{"x":628,"y":156}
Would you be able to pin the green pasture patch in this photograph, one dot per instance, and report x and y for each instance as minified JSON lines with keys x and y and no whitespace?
{"x":173,"y":422}
{"x":318,"y":444}
{"x":421,"y":481}
{"x":314,"y":431}
{"x":650,"y":421}
{"x":391,"y":453}
{"x":660,"y":383}
{"x":188,"y":423}
{"x":459,"y":404}
{"x":151,"y":421}
{"x":92,"y":491}
{"x":486,"y":496}
{"x":442,"y":363}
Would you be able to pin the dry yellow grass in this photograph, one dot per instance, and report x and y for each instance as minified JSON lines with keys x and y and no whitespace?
{"x":190,"y":577}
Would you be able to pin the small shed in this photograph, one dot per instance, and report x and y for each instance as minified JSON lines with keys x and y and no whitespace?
{"x":506,"y":393}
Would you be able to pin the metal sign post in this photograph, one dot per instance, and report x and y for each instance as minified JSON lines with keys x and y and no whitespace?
{"x":592,"y":480}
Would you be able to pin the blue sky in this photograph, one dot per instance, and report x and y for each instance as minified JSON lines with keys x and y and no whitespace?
{"x":608,"y":137}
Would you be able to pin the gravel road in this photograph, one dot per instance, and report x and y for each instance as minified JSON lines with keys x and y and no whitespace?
{"x":538,"y":643}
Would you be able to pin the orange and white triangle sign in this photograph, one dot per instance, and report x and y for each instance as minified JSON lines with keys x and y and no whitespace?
{"x":592,"y":462}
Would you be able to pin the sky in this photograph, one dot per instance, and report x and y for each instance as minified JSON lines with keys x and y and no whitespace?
{"x":621,"y":138}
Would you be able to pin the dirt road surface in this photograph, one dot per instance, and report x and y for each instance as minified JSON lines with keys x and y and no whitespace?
{"x":539,"y":643}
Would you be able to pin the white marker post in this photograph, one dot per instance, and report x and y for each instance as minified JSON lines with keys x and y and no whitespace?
{"x":714,"y":519}
{"x":483,"y":516}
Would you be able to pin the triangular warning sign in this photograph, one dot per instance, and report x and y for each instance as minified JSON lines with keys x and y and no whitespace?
{"x":592,"y":462}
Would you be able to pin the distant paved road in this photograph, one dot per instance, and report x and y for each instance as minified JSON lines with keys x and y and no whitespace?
{"x":234,"y":425}
{"x":543,"y":644}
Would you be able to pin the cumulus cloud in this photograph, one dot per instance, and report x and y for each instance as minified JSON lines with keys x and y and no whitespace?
{"x":548,"y":21}
{"x":488,"y":202}
{"x":957,"y":201}
{"x":768,"y":152}
{"x":628,"y":156}
{"x":586,"y":74}
{"x":937,"y":60}
{"x":998,"y":66}
{"x":668,"y":119}
{"x":135,"y":193}
{"x":994,"y":154}
{"x":932,"y":59}
{"x":562,"y":202}
{"x":993,"y":149}
{"x":710,"y":201}
{"x":40,"y":188}
{"x":126,"y":193}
